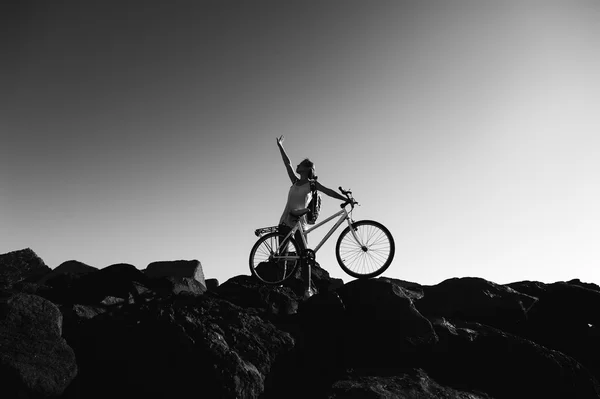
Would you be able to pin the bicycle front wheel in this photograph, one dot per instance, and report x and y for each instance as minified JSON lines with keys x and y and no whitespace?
{"x":371,"y":255}
{"x":273,"y":265}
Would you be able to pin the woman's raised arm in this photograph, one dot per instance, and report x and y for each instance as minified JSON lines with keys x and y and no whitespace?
{"x":286,"y":160}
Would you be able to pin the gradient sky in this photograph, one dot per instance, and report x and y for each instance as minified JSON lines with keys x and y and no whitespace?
{"x":144,"y":131}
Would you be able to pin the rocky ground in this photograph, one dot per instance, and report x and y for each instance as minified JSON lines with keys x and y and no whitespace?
{"x":167,"y":332}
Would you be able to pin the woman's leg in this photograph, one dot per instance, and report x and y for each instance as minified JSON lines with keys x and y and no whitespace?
{"x":283,"y":229}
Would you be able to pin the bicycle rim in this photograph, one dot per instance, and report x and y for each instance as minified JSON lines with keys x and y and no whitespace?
{"x":369,"y":258}
{"x":270,"y":266}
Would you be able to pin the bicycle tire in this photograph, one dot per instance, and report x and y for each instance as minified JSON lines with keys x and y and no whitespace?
{"x":373,"y":257}
{"x":262,"y":264}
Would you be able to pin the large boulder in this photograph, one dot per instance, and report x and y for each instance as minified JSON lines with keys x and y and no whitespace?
{"x":35,"y":361}
{"x":565,"y":318}
{"x":186,"y":276}
{"x":476,"y":299}
{"x":249,"y":292}
{"x":364,"y":325}
{"x":320,"y":280}
{"x":19,"y":266}
{"x":474,"y":356}
{"x":211,"y":284}
{"x":75,"y":315}
{"x":278,"y":299}
{"x":179,"y":347}
{"x":118,"y":283}
{"x":319,"y":354}
{"x":74,"y":267}
{"x":56,"y":285}
{"x":71,"y":268}
{"x":383,"y":328}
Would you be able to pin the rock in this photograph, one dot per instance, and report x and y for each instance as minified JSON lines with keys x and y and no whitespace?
{"x":414,"y":290}
{"x":35,"y":360}
{"x":212,"y":284}
{"x":249,"y":292}
{"x":476,"y":299}
{"x":71,"y":268}
{"x":74,"y":267}
{"x":579,"y":283}
{"x":121,"y":280}
{"x":473,"y":356}
{"x":565,"y":318}
{"x":185,"y":275}
{"x":531,"y":288}
{"x":56,"y":284}
{"x":321,"y":281}
{"x":19,"y":266}
{"x":413,"y":383}
{"x":78,"y":314}
{"x":319,"y":353}
{"x":182,"y":347}
{"x":74,"y":317}
{"x":383,"y":328}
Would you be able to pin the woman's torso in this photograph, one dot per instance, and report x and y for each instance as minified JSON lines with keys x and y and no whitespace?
{"x":298,"y":198}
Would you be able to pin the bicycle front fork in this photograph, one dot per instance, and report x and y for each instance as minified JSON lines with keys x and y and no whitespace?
{"x":353,"y":230}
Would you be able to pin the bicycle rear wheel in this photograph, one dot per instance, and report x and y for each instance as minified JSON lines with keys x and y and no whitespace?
{"x":369,"y":257}
{"x":270,"y":265}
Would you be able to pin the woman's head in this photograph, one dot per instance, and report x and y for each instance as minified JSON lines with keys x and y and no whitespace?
{"x":306,"y":168}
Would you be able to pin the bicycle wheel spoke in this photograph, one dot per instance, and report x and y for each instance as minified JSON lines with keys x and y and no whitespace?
{"x":370,"y":255}
{"x":268,"y":264}
{"x":352,"y":257}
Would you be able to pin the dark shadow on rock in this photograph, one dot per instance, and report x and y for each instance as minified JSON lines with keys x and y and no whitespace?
{"x":249,"y":292}
{"x":122,"y":281}
{"x":404,"y":383}
{"x":565,"y":318}
{"x":474,"y":356}
{"x":181,"y":347}
{"x":320,"y":279}
{"x":318,"y":355}
{"x":478,"y":300}
{"x":383,"y":328}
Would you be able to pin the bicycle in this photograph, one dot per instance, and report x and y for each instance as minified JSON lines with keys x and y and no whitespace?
{"x":364,"y":249}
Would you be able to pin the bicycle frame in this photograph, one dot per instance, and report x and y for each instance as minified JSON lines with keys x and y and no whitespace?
{"x":343,"y":216}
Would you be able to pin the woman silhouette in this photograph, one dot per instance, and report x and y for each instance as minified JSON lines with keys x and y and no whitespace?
{"x":300,"y":194}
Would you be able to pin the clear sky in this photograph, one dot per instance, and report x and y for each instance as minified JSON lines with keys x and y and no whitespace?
{"x":144,"y":131}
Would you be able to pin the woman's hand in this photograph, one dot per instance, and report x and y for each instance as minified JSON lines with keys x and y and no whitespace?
{"x":299,"y":211}
{"x":280,"y":141}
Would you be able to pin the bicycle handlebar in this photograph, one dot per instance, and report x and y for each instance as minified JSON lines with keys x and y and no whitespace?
{"x":350,"y":201}
{"x":345,"y":192}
